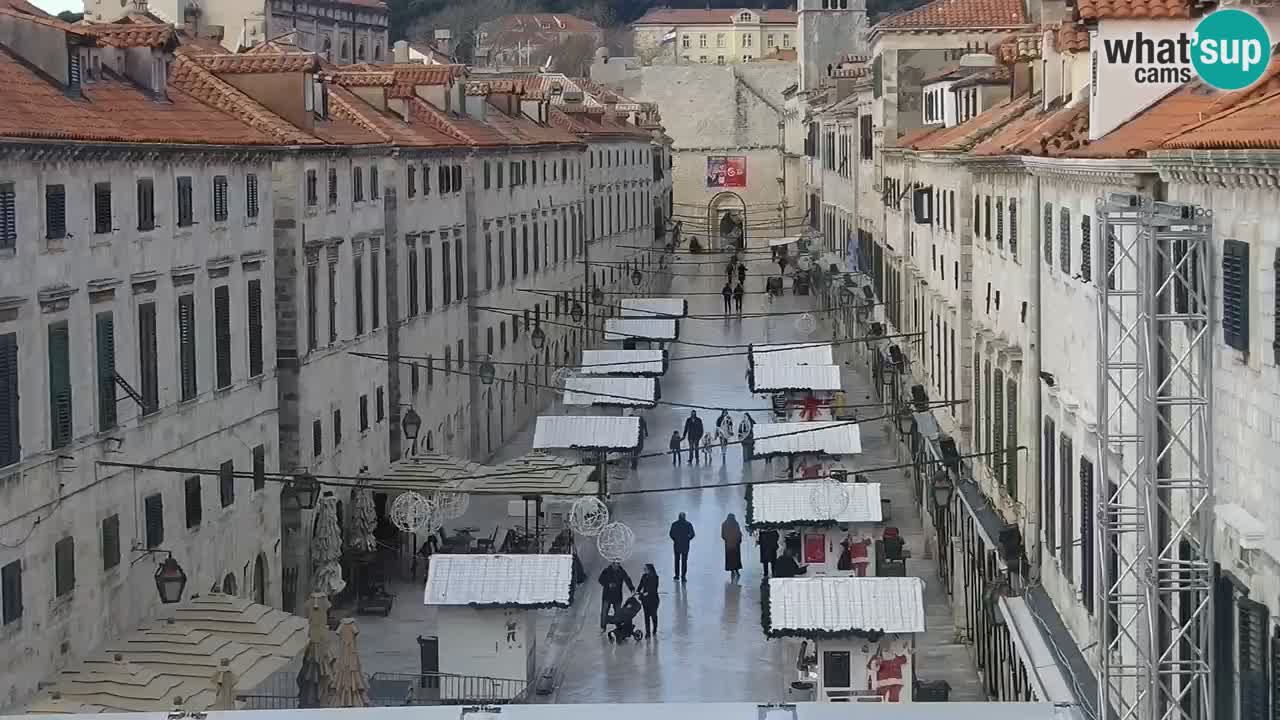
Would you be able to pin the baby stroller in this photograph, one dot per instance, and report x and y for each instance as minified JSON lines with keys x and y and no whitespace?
{"x":623,"y":621}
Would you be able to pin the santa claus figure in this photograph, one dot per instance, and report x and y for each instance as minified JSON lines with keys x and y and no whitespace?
{"x":886,"y":674}
{"x":857,"y":554}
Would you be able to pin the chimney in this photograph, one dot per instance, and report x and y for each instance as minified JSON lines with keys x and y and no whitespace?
{"x":444,"y":41}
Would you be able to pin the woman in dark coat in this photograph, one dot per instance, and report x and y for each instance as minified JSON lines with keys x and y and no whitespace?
{"x":648,"y":592}
{"x":768,"y":541}
{"x":731,"y":534}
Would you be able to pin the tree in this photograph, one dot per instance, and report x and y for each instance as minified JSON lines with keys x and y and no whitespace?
{"x":574,"y":56}
{"x":70,"y":17}
{"x":462,"y":20}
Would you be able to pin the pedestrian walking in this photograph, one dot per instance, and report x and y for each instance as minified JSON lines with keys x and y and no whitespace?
{"x":612,"y":578}
{"x":742,"y":274}
{"x":644,"y":433}
{"x":768,"y":541}
{"x":727,"y":294}
{"x":782,"y":263}
{"x":706,"y":449}
{"x":675,"y":447}
{"x":738,"y":293}
{"x":728,"y":272}
{"x":681,"y":535}
{"x":724,"y":432}
{"x":648,"y":592}
{"x":747,"y":435}
{"x":731,"y":534}
{"x":693,"y":433}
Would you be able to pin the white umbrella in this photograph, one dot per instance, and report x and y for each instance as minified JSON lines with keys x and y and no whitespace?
{"x":224,"y":685}
{"x":350,"y":686}
{"x":326,"y":550}
{"x":364,"y":520}
{"x":315,"y":677}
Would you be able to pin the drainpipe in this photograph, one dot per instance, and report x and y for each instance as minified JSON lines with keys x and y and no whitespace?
{"x":1031,"y":369}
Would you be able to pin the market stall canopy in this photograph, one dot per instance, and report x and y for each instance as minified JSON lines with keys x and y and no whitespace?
{"x":506,"y":581}
{"x":830,"y":437}
{"x":663,"y":330}
{"x":147,"y":669}
{"x":786,"y":240}
{"x":788,"y":505}
{"x":794,"y":354}
{"x":644,"y":363}
{"x":534,"y":473}
{"x":577,"y":432}
{"x":843,"y":606}
{"x":429,"y":472}
{"x":776,"y":377}
{"x":655,"y":308}
{"x":611,"y":391}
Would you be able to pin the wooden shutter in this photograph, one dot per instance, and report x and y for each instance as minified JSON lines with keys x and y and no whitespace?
{"x":1013,"y":227}
{"x":251,"y":195}
{"x":8,"y":217}
{"x":110,"y":542}
{"x":1046,"y":235}
{"x":357,"y":184}
{"x":1048,"y":469}
{"x":363,"y":414}
{"x":185,"y":214}
{"x":458,"y":275}
{"x":333,"y":301}
{"x":457,"y":178}
{"x":375,"y":288}
{"x":374,"y":190}
{"x":220,"y":198}
{"x":60,"y":410}
{"x":412,"y":267}
{"x":259,"y":467}
{"x":1067,"y":459}
{"x":148,"y":362}
{"x":412,"y":184}
{"x":146,"y":204}
{"x":1253,"y":619}
{"x":187,"y":345}
{"x":255,"y":327}
{"x":1086,"y":248}
{"x":1064,"y":230}
{"x":227,"y":483}
{"x":193,"y":500}
{"x":1087,"y":508}
{"x":222,"y":336}
{"x":1110,"y":271}
{"x":1235,"y":294}
{"x":978,"y":446}
{"x":106,"y":340}
{"x":1273,"y":674}
{"x":55,"y":211}
{"x":428,"y":272}
{"x":153,"y":514}
{"x":446,"y":272}
{"x":1011,"y":445}
{"x":10,"y":427}
{"x":64,"y":566}
{"x":359,"y":304}
{"x":333,"y":186}
{"x":11,"y":592}
{"x":995,"y":462}
{"x":102,"y":208}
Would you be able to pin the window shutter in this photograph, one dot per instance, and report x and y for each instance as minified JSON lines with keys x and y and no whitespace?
{"x":255,"y":327}
{"x":1086,"y":532}
{"x":148,"y":362}
{"x":1252,"y":624}
{"x":187,"y":345}
{"x":995,"y":461}
{"x":1086,"y":248}
{"x":11,"y":592}
{"x":977,"y":406}
{"x":357,"y":184}
{"x":1011,"y":444}
{"x":1048,"y":467}
{"x":220,"y":198}
{"x":412,"y":184}
{"x":457,"y":266}
{"x":1110,"y":271}
{"x":364,"y":412}
{"x":337,"y":428}
{"x":55,"y":212}
{"x":64,"y":566}
{"x":1047,"y":234}
{"x":222,"y":335}
{"x":192,"y":496}
{"x":102,"y":208}
{"x":375,"y":191}
{"x":1064,"y":229}
{"x":359,"y":304}
{"x":333,"y":186}
{"x":186,"y":216}
{"x":110,"y":542}
{"x":1235,"y":294}
{"x":153,"y":513}
{"x":10,"y":443}
{"x":8,"y":217}
{"x":428,"y":271}
{"x":60,"y":384}
{"x":412,"y":267}
{"x":146,"y":205}
{"x":1013,"y":227}
{"x":375,"y":289}
{"x":446,"y":273}
{"x":457,"y":178}
{"x":1067,"y":459}
{"x":987,"y":398}
{"x":333,"y":301}
{"x":227,"y":483}
{"x":1273,"y":674}
{"x":106,"y":340}
{"x":251,"y":195}
{"x":999,"y":222}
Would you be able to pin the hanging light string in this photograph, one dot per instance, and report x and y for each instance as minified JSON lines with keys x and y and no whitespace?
{"x":719,"y":251}
{"x":721,"y":316}
{"x":623,"y":265}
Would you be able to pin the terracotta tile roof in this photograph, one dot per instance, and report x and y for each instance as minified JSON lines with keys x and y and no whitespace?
{"x":133,"y":35}
{"x":520,"y":131}
{"x":1002,"y":141}
{"x":460,"y":127}
{"x":959,"y":14}
{"x":192,"y":44}
{"x":188,"y":76}
{"x":941,"y":75}
{"x":113,"y":110}
{"x":968,"y":134}
{"x":24,"y":7}
{"x":1020,"y":47}
{"x":998,"y":75}
{"x":1091,"y":10}
{"x":76,"y":31}
{"x":673,"y":16}
{"x":245,"y":63}
{"x":555,"y":22}
{"x":1057,"y":134}
{"x":1248,"y":126}
{"x":401,"y":73}
{"x":1071,"y":37}
{"x":912,"y":137}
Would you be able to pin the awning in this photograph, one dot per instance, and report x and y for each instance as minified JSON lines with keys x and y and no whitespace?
{"x":570,"y":432}
{"x":842,"y":605}
{"x":611,"y":391}
{"x":655,"y":307}
{"x":163,"y":660}
{"x":829,"y":437}
{"x":645,"y":363}
{"x":616,"y":329}
{"x":776,"y":377}
{"x":776,"y":241}
{"x":792,"y":354}
{"x":785,"y":505}
{"x":534,"y":473}
{"x":430,"y":472}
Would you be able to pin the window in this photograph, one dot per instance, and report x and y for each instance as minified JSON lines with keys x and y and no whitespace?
{"x":153,"y":520}
{"x":865,"y":130}
{"x":501,"y":168}
{"x":1047,"y":470}
{"x":457,"y":178}
{"x":11,"y":592}
{"x":147,"y":205}
{"x":375,"y":290}
{"x":111,"y":542}
{"x":1000,"y":223}
{"x":186,"y":217}
{"x":337,"y":428}
{"x":192,"y":501}
{"x":357,"y":184}
{"x":317,"y":439}
{"x":259,"y":467}
{"x":1067,"y":478}
{"x":457,"y":266}
{"x":60,"y":384}
{"x":1047,"y":235}
{"x":364,"y":413}
{"x":149,"y":360}
{"x":1086,"y":248}
{"x":1235,"y":294}
{"x":105,"y":337}
{"x":768,"y":41}
{"x":487,"y":172}
{"x":375,"y":192}
{"x":1013,"y":227}
{"x":64,"y":566}
{"x":220,"y":198}
{"x":359,"y":295}
{"x":702,"y":40}
{"x":313,"y":191}
{"x":8,"y":217}
{"x":685,"y":42}
{"x":187,"y":345}
{"x":251,"y":196}
{"x":1064,"y":230}
{"x":222,"y":336}
{"x":333,"y":187}
{"x":1011,"y":438}
{"x":254,"y":303}
{"x":102,"y":208}
{"x":996,"y":461}
{"x":978,"y":447}
{"x":488,"y":261}
{"x":313,"y":331}
{"x":786,"y":41}
{"x":412,"y":268}
{"x":55,"y":212}
{"x":10,"y":425}
{"x":227,"y":483}
{"x":333,"y":301}
{"x":720,"y":40}
{"x":977,"y":216}
{"x":1086,"y":532}
{"x":446,"y":273}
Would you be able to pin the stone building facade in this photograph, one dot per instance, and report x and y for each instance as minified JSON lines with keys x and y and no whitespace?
{"x":719,"y":37}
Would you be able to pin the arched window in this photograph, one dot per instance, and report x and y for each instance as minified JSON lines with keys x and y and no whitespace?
{"x":360,"y":50}
{"x":346,"y":49}
{"x":229,"y":584}
{"x":377,"y":51}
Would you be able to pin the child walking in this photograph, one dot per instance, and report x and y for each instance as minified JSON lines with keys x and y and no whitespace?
{"x":675,"y":447}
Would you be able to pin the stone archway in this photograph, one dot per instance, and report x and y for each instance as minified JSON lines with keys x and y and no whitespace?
{"x":260,"y":579}
{"x":229,"y":584}
{"x":726,"y":204}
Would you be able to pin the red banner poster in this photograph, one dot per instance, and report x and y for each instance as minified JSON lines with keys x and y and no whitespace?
{"x":815,"y":548}
{"x":726,"y":171}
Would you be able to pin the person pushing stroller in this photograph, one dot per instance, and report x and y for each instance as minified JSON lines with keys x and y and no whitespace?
{"x":623,"y":621}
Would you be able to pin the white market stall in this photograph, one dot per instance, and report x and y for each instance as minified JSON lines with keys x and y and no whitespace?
{"x":629,"y":331}
{"x":801,"y":392}
{"x":593,"y":437}
{"x":859,"y":633}
{"x":655,"y":308}
{"x":791,"y":354}
{"x":823,"y":529}
{"x":610,"y":392}
{"x":485,"y":626}
{"x":640,"y":363}
{"x":812,"y":449}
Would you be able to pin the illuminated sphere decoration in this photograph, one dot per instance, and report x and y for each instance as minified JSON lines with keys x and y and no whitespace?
{"x":588,"y":516}
{"x":829,"y":498}
{"x":806,"y":324}
{"x":615,"y":542}
{"x":411,"y":512}
{"x":450,"y":505}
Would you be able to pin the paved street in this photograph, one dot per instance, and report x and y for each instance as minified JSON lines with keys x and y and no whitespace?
{"x":710,"y":646}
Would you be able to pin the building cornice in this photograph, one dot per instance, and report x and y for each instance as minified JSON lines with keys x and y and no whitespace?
{"x":996,"y":165}
{"x":1223,"y":168}
{"x":1111,"y":171}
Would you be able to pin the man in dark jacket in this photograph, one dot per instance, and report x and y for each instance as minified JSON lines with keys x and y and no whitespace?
{"x":644,"y":433}
{"x":693,"y":433}
{"x":612,"y":578}
{"x":681,"y":534}
{"x":786,"y":566}
{"x":727,"y":293}
{"x":742,"y":274}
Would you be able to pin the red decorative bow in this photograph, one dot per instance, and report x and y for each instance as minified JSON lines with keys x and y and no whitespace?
{"x":809,"y":407}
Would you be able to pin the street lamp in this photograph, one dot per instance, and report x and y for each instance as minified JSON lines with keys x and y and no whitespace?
{"x":304,"y":488}
{"x":597,"y":296}
{"x":538,"y":338}
{"x":487,"y":371}
{"x":942,"y":489}
{"x":170,"y":581}
{"x":637,"y":278}
{"x":410,"y":424}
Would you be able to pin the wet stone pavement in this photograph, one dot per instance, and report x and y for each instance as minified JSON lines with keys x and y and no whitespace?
{"x":710,"y":646}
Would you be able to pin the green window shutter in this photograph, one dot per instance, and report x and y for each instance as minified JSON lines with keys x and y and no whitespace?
{"x":153,"y":514}
{"x":227,"y":483}
{"x":106,"y":339}
{"x":1086,"y":533}
{"x":1011,"y":443}
{"x":10,"y":427}
{"x":1067,"y":459}
{"x":1235,"y":294}
{"x":60,"y":410}
{"x":1047,"y":469}
{"x":148,"y":360}
{"x":259,"y":467}
{"x":255,"y":326}
{"x":1252,"y":630}
{"x":187,"y":346}
{"x":222,"y":336}
{"x":110,"y":542}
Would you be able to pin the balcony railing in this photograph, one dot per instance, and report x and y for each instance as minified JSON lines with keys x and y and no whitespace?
{"x":406,"y":689}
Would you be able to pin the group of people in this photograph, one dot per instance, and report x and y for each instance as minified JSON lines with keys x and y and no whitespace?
{"x":614,"y":577}
{"x":695,"y":434}
{"x":733,"y":295}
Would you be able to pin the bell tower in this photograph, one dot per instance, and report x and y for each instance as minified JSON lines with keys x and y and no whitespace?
{"x":827,"y":30}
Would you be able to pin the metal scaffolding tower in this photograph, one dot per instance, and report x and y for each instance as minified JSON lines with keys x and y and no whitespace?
{"x":1154,"y":499}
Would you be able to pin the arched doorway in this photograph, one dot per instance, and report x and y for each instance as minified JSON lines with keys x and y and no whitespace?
{"x":260,"y":580}
{"x":726,"y":209}
{"x":229,"y":584}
